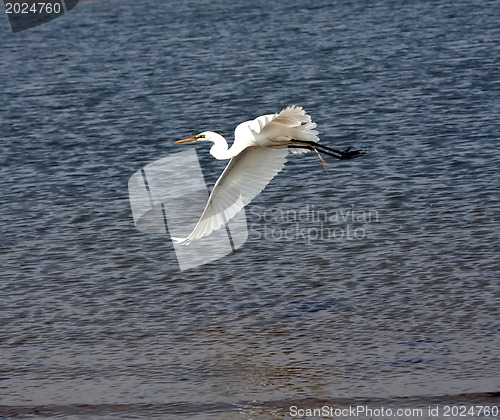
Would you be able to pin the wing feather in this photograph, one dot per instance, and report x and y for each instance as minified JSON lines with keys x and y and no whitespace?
{"x":276,"y":130}
{"x":245,"y":176}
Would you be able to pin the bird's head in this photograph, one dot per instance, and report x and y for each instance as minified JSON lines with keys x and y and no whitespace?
{"x":219,"y":148}
{"x":205,"y":136}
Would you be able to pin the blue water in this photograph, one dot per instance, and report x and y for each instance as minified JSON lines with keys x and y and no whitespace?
{"x":402,"y":310}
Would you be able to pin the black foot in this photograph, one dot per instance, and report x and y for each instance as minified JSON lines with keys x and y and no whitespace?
{"x":348,"y":154}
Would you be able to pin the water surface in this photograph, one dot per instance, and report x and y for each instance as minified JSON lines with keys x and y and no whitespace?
{"x":97,"y":320}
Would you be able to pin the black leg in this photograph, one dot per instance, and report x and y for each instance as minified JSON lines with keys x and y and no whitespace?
{"x":336,"y":156}
{"x":346,"y":154}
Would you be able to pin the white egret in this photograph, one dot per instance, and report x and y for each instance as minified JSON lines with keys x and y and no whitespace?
{"x":258,"y":153}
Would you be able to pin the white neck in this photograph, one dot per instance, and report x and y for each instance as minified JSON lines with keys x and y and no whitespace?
{"x":220,"y":149}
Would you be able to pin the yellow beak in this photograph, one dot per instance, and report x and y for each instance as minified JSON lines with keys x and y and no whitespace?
{"x":189,"y":140}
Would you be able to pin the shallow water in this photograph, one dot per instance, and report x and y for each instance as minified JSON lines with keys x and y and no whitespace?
{"x":375,"y":283}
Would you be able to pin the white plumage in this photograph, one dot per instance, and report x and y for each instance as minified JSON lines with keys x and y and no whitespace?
{"x":258,"y":153}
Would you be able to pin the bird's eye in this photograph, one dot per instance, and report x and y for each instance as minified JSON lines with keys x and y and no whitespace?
{"x":200,"y":136}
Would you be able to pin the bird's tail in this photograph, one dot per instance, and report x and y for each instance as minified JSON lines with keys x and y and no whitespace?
{"x":293,"y":118}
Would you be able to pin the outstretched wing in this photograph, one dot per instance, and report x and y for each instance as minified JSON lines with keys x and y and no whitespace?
{"x":245,"y":176}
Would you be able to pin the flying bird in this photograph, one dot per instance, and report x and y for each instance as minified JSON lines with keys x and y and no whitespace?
{"x":258,"y":153}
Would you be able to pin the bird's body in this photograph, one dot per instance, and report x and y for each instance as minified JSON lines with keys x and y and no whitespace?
{"x":258,"y":153}
{"x":269,"y":131}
